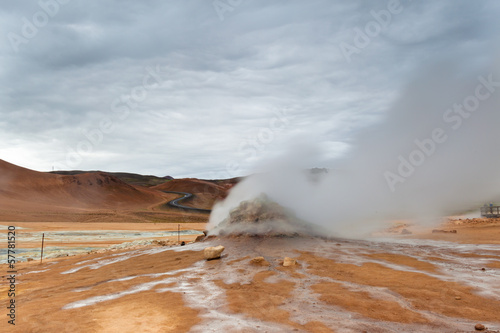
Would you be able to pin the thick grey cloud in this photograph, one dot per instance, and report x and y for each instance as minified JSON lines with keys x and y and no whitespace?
{"x":167,"y":87}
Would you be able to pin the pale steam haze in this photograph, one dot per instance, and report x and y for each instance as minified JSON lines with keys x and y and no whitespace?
{"x":435,"y":152}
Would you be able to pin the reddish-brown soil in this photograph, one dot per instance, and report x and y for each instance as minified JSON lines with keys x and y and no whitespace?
{"x":337,"y":286}
{"x":423,"y":291}
{"x":364,"y":304}
{"x":479,"y":231}
{"x":40,"y":299}
{"x":266,"y":299}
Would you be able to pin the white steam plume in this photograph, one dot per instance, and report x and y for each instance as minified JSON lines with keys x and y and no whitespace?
{"x":437,"y":152}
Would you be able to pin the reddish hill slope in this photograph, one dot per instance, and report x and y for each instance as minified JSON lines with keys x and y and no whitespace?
{"x":206,"y":192}
{"x":24,"y":189}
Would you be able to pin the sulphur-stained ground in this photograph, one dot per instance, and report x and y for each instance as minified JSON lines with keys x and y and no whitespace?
{"x":420,"y":282}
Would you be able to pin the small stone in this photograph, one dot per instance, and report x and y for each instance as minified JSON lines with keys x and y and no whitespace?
{"x":406,"y":232}
{"x":483,"y":269}
{"x":160,"y":242}
{"x":259,"y":261}
{"x":199,"y":238}
{"x":287,"y":262}
{"x":479,"y":327}
{"x":30,"y":259}
{"x":211,"y":253}
{"x":458,"y":298}
{"x":444,"y":231}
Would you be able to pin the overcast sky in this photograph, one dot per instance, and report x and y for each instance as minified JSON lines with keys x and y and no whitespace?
{"x":201,"y":88}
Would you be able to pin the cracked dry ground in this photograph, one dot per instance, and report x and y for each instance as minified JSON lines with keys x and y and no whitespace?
{"x":337,"y":286}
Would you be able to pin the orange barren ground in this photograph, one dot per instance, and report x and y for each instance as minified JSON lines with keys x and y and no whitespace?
{"x":423,"y":282}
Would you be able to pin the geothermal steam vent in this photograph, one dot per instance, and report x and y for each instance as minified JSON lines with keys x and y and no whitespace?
{"x":262,"y":216}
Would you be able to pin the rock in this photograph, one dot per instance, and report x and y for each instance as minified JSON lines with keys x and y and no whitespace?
{"x":479,"y":327}
{"x":259,"y":261}
{"x":483,"y":269}
{"x":287,"y":262}
{"x":458,"y":298}
{"x":183,"y":243}
{"x":30,"y":259}
{"x":160,"y":242}
{"x":211,"y":253}
{"x":437,"y":231}
{"x":199,"y":238}
{"x":406,"y":232}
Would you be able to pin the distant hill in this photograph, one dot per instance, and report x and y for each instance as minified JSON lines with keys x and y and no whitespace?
{"x":206,"y":192}
{"x":25,"y":189}
{"x":129,"y":178}
{"x":78,"y":196}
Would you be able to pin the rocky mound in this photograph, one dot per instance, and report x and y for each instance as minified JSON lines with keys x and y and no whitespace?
{"x":262,"y":216}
